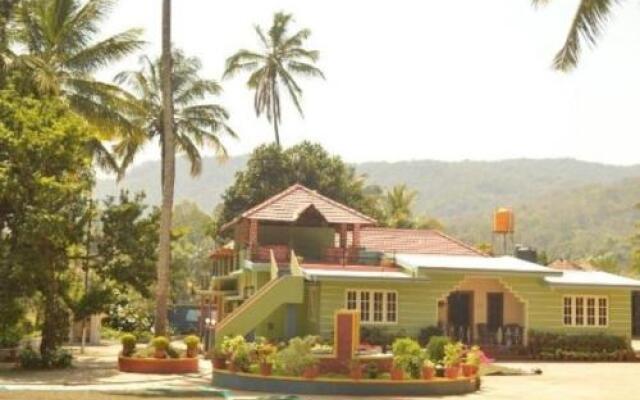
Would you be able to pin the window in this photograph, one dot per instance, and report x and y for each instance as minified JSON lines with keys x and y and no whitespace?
{"x":590,"y":311}
{"x":375,"y":306}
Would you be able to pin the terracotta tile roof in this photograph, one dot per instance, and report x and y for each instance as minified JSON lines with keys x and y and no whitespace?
{"x":569,"y":265}
{"x":288,"y":205}
{"x":414,"y":241}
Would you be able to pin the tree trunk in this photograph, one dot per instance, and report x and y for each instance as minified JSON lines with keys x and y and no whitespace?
{"x":168,"y":174}
{"x":275,"y":103}
{"x":275,"y":128}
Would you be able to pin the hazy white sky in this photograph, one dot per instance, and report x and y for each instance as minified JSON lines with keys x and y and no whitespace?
{"x":406,"y":79}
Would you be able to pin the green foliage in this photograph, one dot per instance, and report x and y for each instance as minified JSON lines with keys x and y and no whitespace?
{"x":375,"y":336}
{"x":408,"y":355}
{"x":54,"y":359}
{"x":10,"y":336}
{"x":230,"y":344}
{"x":131,"y":313}
{"x":192,"y":342}
{"x":425,"y":334}
{"x":435,"y":348}
{"x":172,"y":352}
{"x":270,"y":170}
{"x":371,"y":370}
{"x":241,"y":356}
{"x":265,"y":351}
{"x":160,"y":343}
{"x":540,"y":342}
{"x":452,"y":354}
{"x":281,"y":58}
{"x":128,"y":344}
{"x":474,"y":356}
{"x":297,"y":356}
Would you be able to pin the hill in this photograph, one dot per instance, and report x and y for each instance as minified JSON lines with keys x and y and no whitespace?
{"x":566,"y":206}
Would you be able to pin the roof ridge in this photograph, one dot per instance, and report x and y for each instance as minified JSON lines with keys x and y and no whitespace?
{"x":336,"y":203}
{"x":460,"y":242}
{"x":270,"y":200}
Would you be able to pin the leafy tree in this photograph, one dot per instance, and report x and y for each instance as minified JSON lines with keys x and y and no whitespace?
{"x":197,"y":123}
{"x":587,"y":25}
{"x":57,"y":51}
{"x":280,"y":60}
{"x":270,"y":170}
{"x":607,"y":262}
{"x":45,"y":181}
{"x":397,"y":205}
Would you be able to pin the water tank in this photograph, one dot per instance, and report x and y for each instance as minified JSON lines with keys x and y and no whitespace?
{"x":503,"y":221}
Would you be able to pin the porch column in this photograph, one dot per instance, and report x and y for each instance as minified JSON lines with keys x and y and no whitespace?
{"x":253,"y":235}
{"x":343,"y":236}
{"x":356,"y":236}
{"x":290,"y":321}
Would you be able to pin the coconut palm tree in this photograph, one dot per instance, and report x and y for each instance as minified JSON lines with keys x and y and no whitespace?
{"x":57,"y":51}
{"x":197,"y":123}
{"x":281,"y":58}
{"x":397,"y":205}
{"x":587,"y":25}
{"x":168,"y":174}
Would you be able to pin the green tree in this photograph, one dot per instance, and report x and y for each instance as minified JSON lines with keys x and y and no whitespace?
{"x":197,"y":122}
{"x":398,"y":205}
{"x":280,"y":60}
{"x":56,"y":50}
{"x":607,"y":262}
{"x":586,"y":27}
{"x":45,"y":181}
{"x":270,"y":170}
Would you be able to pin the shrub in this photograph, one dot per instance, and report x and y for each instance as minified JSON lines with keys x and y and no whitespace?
{"x":547,"y":342}
{"x":172,"y":352}
{"x":375,"y":336}
{"x":372,"y":371}
{"x":427,"y":333}
{"x":31,"y":359}
{"x":452,"y":354}
{"x":297,"y":356}
{"x":408,"y":355}
{"x":474,"y":356}
{"x":10,"y":337}
{"x":192,"y":342}
{"x":241,"y":357}
{"x":160,"y":343}
{"x":128,"y":344}
{"x":231,"y":343}
{"x":265,"y":351}
{"x":435,"y":348}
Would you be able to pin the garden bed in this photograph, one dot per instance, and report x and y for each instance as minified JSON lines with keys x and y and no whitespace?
{"x":158,"y":365}
{"x":344,"y":387}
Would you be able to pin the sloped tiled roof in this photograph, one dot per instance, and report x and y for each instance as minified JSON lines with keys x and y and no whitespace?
{"x":568,"y":265}
{"x":414,"y":241}
{"x":288,"y":205}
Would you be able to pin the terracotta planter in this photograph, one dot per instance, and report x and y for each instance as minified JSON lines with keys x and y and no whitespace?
{"x":428,"y":373}
{"x":451,"y":372}
{"x":220,"y":362}
{"x":158,"y":365}
{"x":397,"y":374}
{"x":469,"y":370}
{"x":192,"y":353}
{"x":310,"y":372}
{"x":160,"y":353}
{"x":356,"y":372}
{"x":266,"y":369}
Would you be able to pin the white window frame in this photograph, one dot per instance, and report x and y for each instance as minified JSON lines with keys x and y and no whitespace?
{"x":585,"y":298}
{"x":371,"y":307}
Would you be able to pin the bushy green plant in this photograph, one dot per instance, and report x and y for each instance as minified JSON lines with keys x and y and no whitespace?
{"x":546,"y":342}
{"x":474,"y":356}
{"x":265,"y":351}
{"x":435,"y":348}
{"x":231,"y":343}
{"x":160,"y":343}
{"x":372,"y":371}
{"x":408,"y":355}
{"x":192,"y":342}
{"x":297,"y":356}
{"x":452,"y":354}
{"x":31,"y":359}
{"x":241,"y":357}
{"x":128,"y":344}
{"x":172,"y":352}
{"x":10,"y":336}
{"x":427,"y":333}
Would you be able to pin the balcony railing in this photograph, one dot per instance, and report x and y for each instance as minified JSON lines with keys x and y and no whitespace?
{"x":330,"y":256}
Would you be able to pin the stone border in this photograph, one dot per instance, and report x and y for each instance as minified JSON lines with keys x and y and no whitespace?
{"x":158,"y":365}
{"x":344,"y":387}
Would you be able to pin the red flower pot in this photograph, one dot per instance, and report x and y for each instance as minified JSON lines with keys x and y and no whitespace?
{"x":451,"y":372}
{"x":310,"y":372}
{"x":159,"y":353}
{"x":397,"y":374}
{"x":356,"y":372}
{"x":428,"y":373}
{"x":192,"y":353}
{"x":220,"y":362}
{"x":266,"y":369}
{"x":469,"y":370}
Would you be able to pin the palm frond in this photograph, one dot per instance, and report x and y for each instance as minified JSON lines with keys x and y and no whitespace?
{"x":305,"y":69}
{"x":106,"y":52}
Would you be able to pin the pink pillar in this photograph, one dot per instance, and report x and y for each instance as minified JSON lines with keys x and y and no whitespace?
{"x":253,"y":234}
{"x":356,"y":236}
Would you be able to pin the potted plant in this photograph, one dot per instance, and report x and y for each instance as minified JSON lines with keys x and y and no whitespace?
{"x":355,"y":370}
{"x":372,"y":370}
{"x":219,"y":358}
{"x":408,"y":356}
{"x":297,"y":359}
{"x":265,"y":355}
{"x":472,"y":362}
{"x":452,"y":356}
{"x":397,"y":371}
{"x":192,"y":342}
{"x":160,"y":345}
{"x":428,"y":370}
{"x":128,"y":345}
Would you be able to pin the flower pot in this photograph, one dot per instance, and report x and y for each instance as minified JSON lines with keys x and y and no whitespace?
{"x":233,"y":368}
{"x":356,"y":372}
{"x":266,"y":369}
{"x":469,"y":370}
{"x":192,"y":353}
{"x":219,"y":362}
{"x":310,"y":372}
{"x":397,"y":374}
{"x":428,"y":373}
{"x":160,"y":353}
{"x":451,"y":372}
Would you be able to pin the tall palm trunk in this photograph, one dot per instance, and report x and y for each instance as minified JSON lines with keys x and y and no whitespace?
{"x":276,"y":111}
{"x":168,"y":176}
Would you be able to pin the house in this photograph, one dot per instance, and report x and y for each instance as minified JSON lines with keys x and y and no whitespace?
{"x":299,"y":257}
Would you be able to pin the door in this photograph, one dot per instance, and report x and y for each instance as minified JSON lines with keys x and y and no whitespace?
{"x":460,"y":315}
{"x":635,"y":311}
{"x":495,"y":311}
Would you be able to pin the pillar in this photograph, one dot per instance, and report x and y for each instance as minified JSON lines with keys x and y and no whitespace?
{"x":253,"y":234}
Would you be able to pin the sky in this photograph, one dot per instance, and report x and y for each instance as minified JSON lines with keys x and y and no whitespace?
{"x":446,"y":80}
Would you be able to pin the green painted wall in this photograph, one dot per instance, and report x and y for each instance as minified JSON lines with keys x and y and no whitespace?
{"x":306,"y":241}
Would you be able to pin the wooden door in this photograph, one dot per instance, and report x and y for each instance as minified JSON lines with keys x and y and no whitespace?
{"x":495,"y":311}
